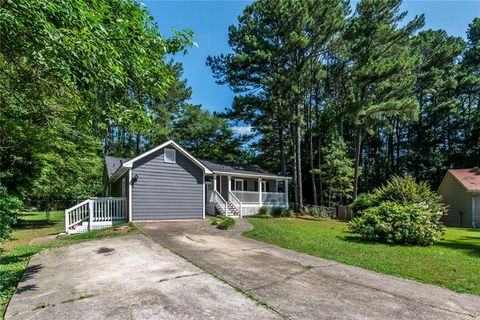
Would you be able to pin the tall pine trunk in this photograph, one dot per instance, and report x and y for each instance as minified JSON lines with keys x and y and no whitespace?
{"x":310,"y":142}
{"x":298,"y":156}
{"x":295,"y":171}
{"x":281,"y":140}
{"x":358,"y":151}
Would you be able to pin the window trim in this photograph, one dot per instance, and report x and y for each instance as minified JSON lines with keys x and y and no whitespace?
{"x":264,"y":186}
{"x":174,"y":155}
{"x":235,"y":184}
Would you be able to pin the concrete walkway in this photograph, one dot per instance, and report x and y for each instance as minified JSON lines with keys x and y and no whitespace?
{"x":128,"y":277}
{"x":298,"y":286}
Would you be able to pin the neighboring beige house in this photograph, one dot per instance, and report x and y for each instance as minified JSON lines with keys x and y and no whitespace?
{"x":460,"y":189}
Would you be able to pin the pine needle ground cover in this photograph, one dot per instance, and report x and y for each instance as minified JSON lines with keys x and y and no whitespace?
{"x":453,"y":262}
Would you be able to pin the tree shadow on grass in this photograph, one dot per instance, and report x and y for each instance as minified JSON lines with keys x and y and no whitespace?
{"x":36,"y":224}
{"x":10,"y":259}
{"x":465,"y":244}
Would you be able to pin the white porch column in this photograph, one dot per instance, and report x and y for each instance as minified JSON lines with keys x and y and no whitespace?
{"x":286,"y":192}
{"x":260,"y":191}
{"x":229,"y":186}
{"x":214,"y":182}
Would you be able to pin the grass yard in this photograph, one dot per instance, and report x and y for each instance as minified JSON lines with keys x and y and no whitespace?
{"x":17,"y":252}
{"x":453,"y":262}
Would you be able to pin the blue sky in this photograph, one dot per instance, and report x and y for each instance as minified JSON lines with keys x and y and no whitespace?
{"x":210,"y":20}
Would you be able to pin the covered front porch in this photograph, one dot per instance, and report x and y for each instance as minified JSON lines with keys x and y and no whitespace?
{"x":239,"y":195}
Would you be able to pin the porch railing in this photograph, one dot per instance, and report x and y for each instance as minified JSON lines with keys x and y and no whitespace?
{"x":254,"y":197}
{"x":273,"y":197}
{"x":247,"y":196}
{"x":220,"y":203}
{"x":236,"y":202}
{"x":96,"y":210}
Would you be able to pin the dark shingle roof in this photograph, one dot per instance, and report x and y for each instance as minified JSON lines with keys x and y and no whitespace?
{"x":225,"y":166}
{"x":113,"y":163}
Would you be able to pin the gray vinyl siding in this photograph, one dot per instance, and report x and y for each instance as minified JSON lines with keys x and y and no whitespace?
{"x":166,"y":191}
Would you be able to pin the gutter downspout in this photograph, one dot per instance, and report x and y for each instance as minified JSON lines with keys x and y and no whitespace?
{"x":474,"y":209}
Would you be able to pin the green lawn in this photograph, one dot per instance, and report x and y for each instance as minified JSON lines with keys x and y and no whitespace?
{"x":17,"y":252}
{"x":453,"y":262}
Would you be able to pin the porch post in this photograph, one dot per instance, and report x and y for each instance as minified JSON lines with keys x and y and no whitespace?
{"x":286,"y":191}
{"x":229,"y":186}
{"x":260,"y":191}
{"x":90,"y":215}
{"x":214,"y":182}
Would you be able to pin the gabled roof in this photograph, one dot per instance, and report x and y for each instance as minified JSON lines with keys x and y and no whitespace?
{"x":113,"y":163}
{"x":468,"y":178}
{"x":166,"y":144}
{"x":217,"y":166}
{"x":116,"y":166}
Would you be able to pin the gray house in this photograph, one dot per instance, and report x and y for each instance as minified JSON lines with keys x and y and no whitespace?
{"x":168,"y":183}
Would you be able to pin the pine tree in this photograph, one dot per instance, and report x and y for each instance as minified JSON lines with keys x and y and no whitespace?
{"x":336,"y":171}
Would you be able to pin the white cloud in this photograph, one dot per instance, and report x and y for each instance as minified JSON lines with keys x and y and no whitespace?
{"x":242,"y":130}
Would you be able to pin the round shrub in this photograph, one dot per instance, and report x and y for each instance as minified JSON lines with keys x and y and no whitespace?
{"x":264,"y":211}
{"x":362,"y":202}
{"x":226,"y":223}
{"x":402,"y":211}
{"x":279,"y":212}
{"x":399,"y":223}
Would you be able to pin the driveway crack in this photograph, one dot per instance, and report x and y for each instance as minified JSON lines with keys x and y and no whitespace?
{"x":181,"y":276}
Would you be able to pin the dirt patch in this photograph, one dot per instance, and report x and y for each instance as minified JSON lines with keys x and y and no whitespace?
{"x":308,"y":217}
{"x":42,"y":240}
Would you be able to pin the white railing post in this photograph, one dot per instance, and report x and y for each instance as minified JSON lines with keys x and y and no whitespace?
{"x":229,"y":186}
{"x":66,"y":220}
{"x":260,"y":191}
{"x":286,"y":192}
{"x":90,"y":214}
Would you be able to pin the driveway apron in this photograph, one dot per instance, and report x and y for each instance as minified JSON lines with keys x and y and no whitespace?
{"x":299,"y":286}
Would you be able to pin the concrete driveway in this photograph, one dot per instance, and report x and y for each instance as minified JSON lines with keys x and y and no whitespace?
{"x":129,"y":277}
{"x":298,"y":286}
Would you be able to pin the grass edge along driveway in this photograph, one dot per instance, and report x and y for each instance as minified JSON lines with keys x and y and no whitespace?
{"x":452,"y":262}
{"x":18,"y":251}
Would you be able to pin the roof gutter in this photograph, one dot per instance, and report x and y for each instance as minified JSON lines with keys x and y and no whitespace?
{"x":117,"y":174}
{"x":250,"y":175}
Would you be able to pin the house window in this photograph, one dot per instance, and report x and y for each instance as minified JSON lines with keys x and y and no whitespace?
{"x":238,"y":185}
{"x":170,"y":155}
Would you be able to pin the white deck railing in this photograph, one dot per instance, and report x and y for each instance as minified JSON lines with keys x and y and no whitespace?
{"x":236,"y":202}
{"x":96,"y":211}
{"x":220,"y":203}
{"x":247,"y":196}
{"x":273,"y":197}
{"x":254,"y":197}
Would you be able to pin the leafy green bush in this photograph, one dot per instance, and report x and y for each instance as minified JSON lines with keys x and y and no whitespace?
{"x":399,"y":223}
{"x":226,"y":223}
{"x":278,"y":212}
{"x":315,"y":211}
{"x":264,"y":211}
{"x":362,"y":202}
{"x":9,"y":207}
{"x":402,"y":211}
